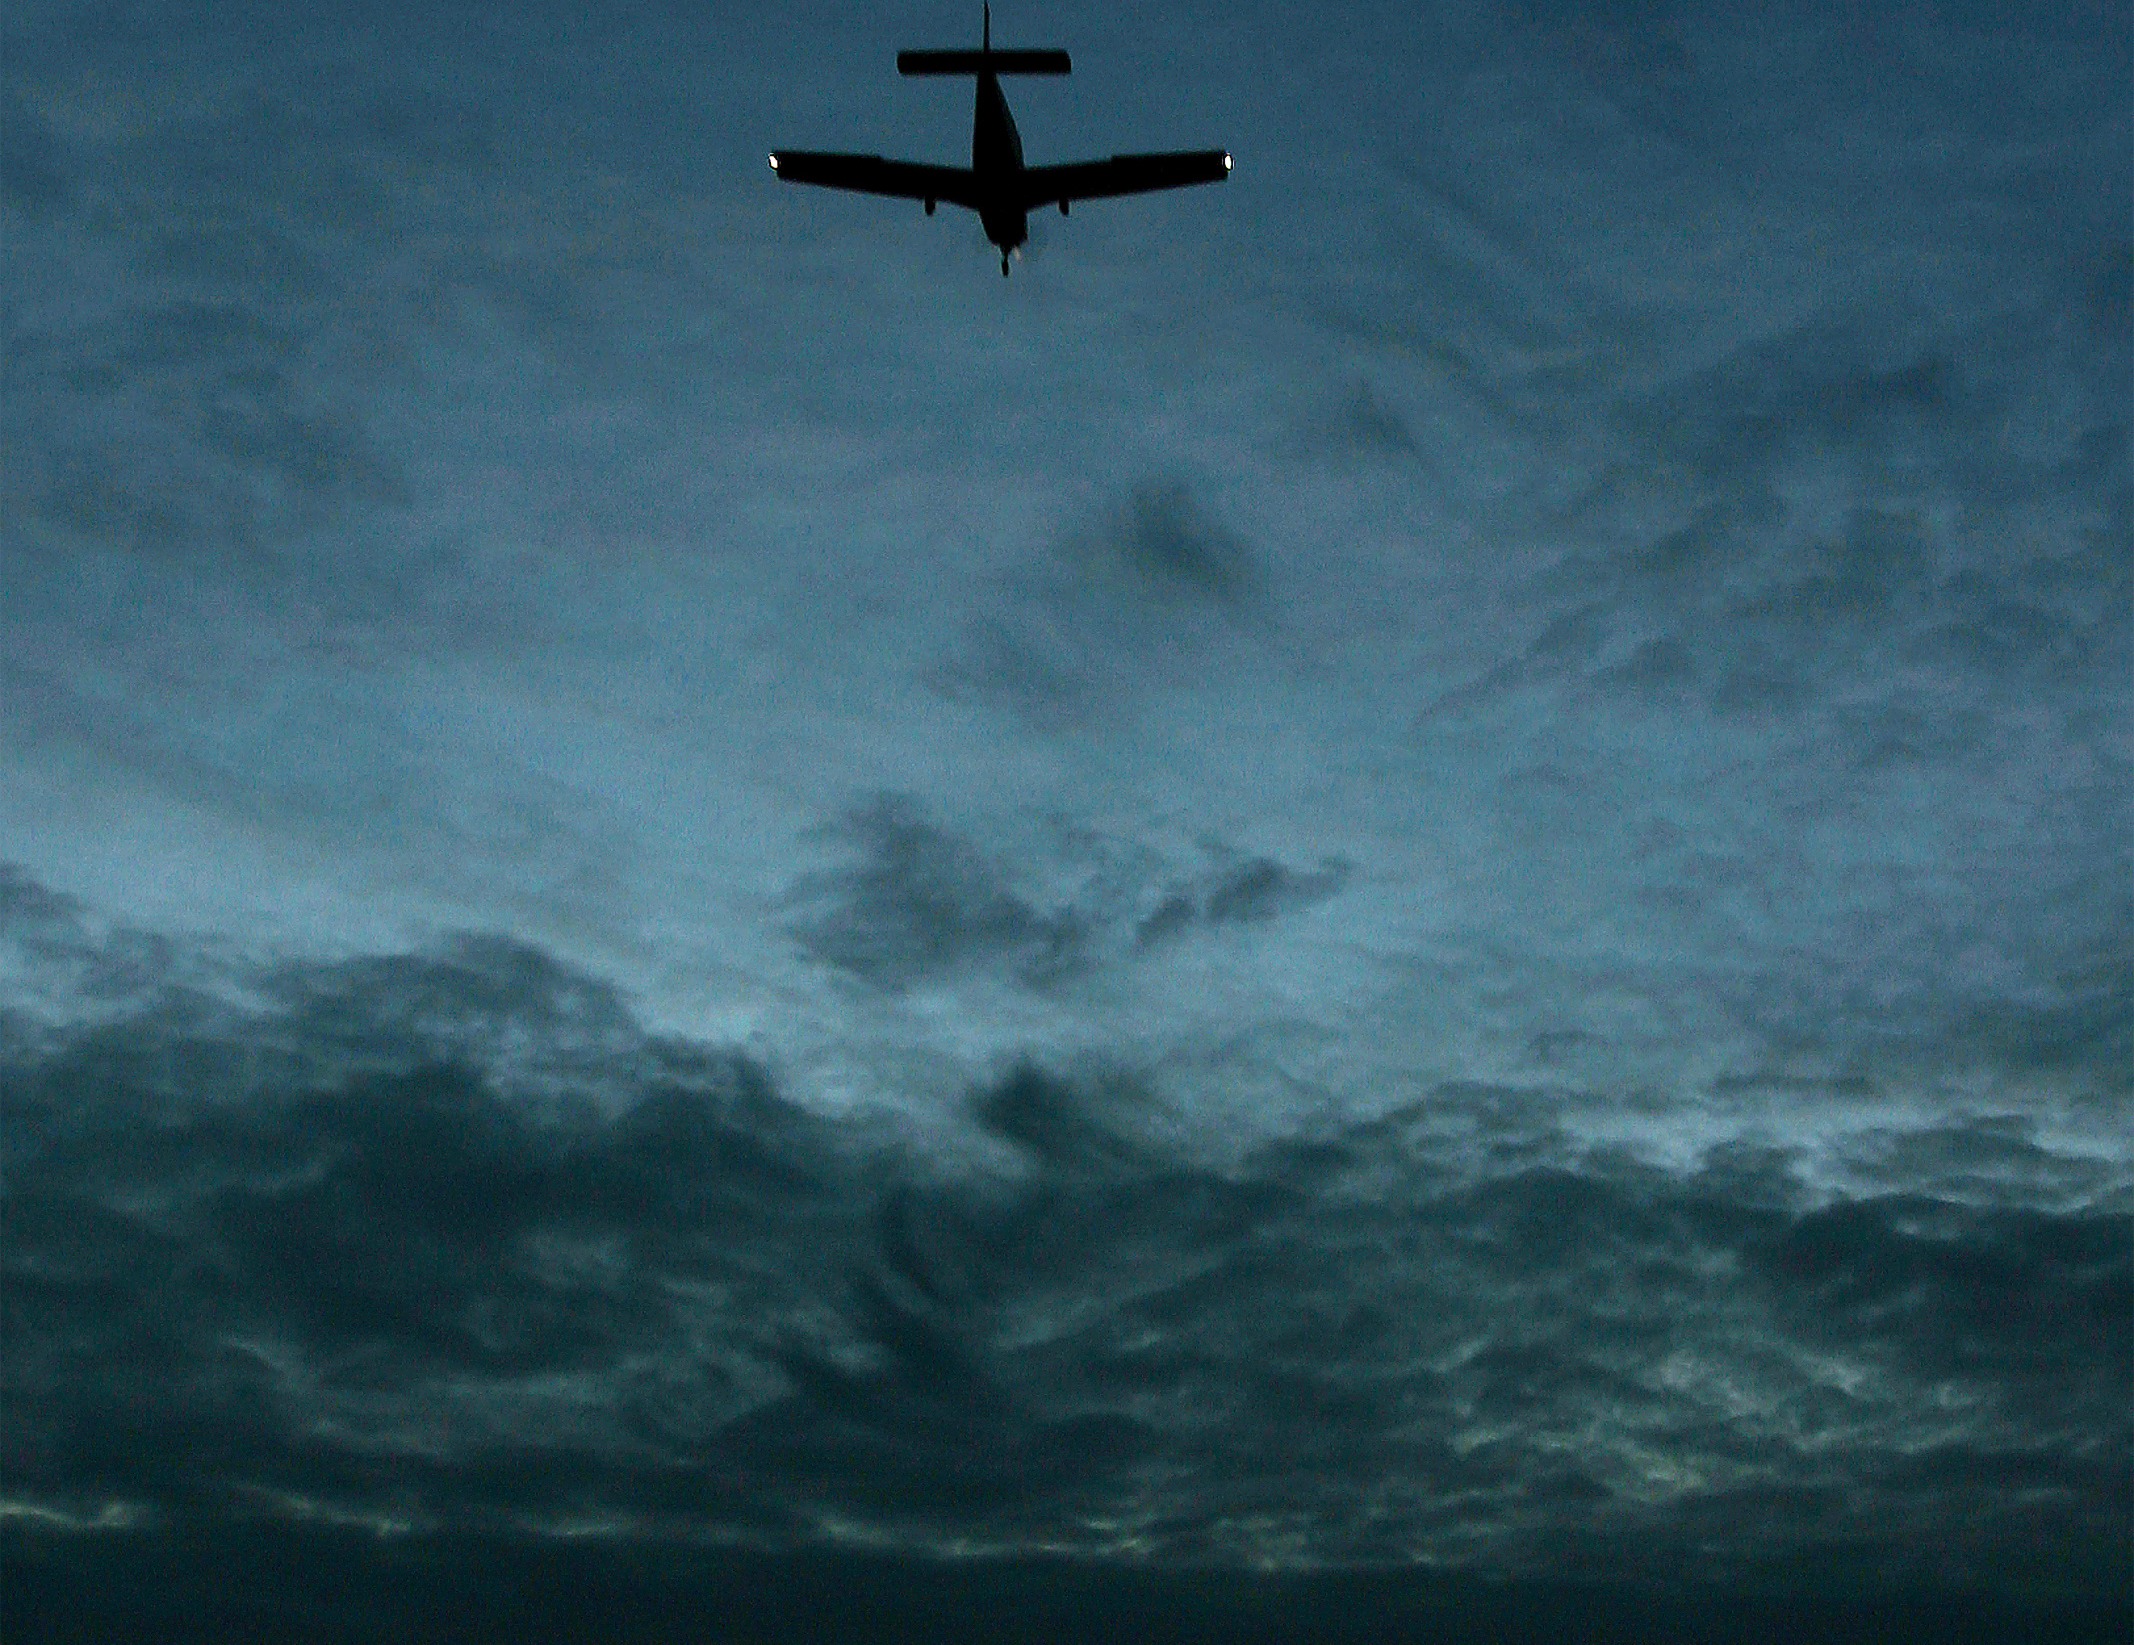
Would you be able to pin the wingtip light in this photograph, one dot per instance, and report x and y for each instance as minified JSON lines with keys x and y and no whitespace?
{"x":1226,"y":162}
{"x":774,"y":162}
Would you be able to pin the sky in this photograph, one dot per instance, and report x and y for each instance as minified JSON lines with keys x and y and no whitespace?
{"x":1417,"y":869}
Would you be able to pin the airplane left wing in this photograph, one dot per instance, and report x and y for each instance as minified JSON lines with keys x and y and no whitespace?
{"x":871,"y":174}
{"x":1122,"y":174}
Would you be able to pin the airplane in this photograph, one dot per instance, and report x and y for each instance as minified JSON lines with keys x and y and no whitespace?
{"x":996,"y":184}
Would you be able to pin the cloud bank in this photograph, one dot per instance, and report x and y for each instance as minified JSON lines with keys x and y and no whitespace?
{"x":447,"y":1240}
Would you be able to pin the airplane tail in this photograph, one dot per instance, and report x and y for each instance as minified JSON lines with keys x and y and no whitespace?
{"x":984,"y":60}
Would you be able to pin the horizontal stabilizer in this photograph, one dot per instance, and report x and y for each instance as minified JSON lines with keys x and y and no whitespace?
{"x":976,"y":62}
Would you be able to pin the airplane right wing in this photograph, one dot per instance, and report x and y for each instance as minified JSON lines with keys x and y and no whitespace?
{"x":1122,"y":174}
{"x":871,"y":174}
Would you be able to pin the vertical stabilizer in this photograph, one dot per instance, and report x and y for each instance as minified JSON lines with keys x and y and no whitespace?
{"x":985,"y":60}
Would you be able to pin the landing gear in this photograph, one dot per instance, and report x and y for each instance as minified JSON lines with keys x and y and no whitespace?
{"x":1003,"y":265}
{"x":1063,"y":208}
{"x":929,"y":208}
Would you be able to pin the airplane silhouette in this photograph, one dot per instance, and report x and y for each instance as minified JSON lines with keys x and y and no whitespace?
{"x":996,"y":184}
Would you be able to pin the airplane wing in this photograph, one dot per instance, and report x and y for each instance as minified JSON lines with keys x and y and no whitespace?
{"x":1122,"y":174}
{"x":871,"y":174}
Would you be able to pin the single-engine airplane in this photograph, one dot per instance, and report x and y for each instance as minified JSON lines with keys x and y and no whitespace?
{"x":996,"y":184}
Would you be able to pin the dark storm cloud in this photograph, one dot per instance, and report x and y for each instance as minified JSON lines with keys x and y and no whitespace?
{"x":449,"y":1239}
{"x":32,"y":914}
{"x":919,"y":902}
{"x":61,"y":957}
{"x":1246,"y":894}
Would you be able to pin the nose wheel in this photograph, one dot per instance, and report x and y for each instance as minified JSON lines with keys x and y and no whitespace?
{"x":1003,"y":266}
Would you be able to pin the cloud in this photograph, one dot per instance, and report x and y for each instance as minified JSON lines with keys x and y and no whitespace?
{"x":471,"y":504}
{"x":920,"y":903}
{"x":233,"y":448}
{"x":1163,"y":539}
{"x":1246,"y":893}
{"x":1015,"y":668}
{"x":450,"y":1236}
{"x":1847,"y":587}
{"x":191,"y":398}
{"x":1150,"y":593}
{"x":1827,"y":512}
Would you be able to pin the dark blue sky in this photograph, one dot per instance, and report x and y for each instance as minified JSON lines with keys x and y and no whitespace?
{"x":1421,"y":862}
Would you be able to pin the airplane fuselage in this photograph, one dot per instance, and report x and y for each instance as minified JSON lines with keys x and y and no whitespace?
{"x":997,"y":159}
